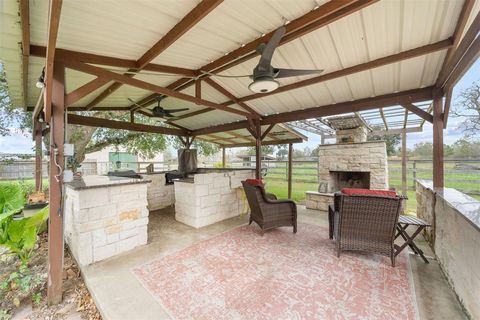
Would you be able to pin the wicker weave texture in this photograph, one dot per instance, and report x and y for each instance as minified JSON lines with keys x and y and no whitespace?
{"x":365,"y":223}
{"x":267,"y":211}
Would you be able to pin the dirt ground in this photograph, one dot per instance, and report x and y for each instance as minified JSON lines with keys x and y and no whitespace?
{"x":25,"y":297}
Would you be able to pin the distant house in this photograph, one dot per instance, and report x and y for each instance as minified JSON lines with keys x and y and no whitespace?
{"x":113,"y":158}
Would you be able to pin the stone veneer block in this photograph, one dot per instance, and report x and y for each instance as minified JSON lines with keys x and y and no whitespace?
{"x":159,"y":195}
{"x":106,"y":221}
{"x":212,"y":197}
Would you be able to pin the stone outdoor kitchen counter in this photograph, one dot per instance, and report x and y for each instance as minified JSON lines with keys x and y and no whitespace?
{"x":105,"y":216}
{"x":210,"y":196}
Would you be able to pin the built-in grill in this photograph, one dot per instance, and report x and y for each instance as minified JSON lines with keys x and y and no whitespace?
{"x":124,"y":174}
{"x":187,"y":164}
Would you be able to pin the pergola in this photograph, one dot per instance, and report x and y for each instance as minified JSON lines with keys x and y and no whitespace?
{"x":379,"y":57}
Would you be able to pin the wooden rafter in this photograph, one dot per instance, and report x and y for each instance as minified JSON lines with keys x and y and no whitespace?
{"x":267,"y":131}
{"x":99,"y":72}
{"x":113,"y":124}
{"x":410,"y":96}
{"x":446,"y":72}
{"x":54,"y":10}
{"x":419,"y":112}
{"x":323,"y":15}
{"x":68,"y":55}
{"x":25,"y":24}
{"x":84,"y":90}
{"x":385,"y":123}
{"x":405,"y":119}
{"x":187,"y":22}
{"x":460,"y":27}
{"x":230,"y":96}
{"x":468,"y":59}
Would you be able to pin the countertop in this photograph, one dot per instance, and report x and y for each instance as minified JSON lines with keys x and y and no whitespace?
{"x":97,"y":181}
{"x":467,"y":206}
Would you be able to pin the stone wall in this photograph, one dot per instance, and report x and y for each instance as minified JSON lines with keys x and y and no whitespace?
{"x":425,"y":202}
{"x":212,"y":197}
{"x":159,"y":195}
{"x":103,"y":222}
{"x":457,"y":234}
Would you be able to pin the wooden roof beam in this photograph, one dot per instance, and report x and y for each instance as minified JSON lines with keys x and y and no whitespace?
{"x":25,"y":24}
{"x":99,"y":72}
{"x":419,"y":112}
{"x":230,"y":96}
{"x":113,"y":124}
{"x":55,"y":7}
{"x":69,"y":55}
{"x":446,"y":72}
{"x":409,"y":96}
{"x":184,"y":25}
{"x":264,"y":143}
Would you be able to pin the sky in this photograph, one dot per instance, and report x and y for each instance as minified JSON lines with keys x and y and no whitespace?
{"x":21,"y":143}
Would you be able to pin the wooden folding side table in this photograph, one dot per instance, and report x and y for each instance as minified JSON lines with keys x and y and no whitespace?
{"x":403,"y":223}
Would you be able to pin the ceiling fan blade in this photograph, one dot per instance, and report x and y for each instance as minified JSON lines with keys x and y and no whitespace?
{"x":168,"y":115}
{"x":175,"y":110}
{"x":285,"y":73}
{"x":268,"y":49}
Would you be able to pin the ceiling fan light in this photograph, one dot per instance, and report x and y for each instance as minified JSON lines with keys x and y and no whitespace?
{"x":264,"y":86}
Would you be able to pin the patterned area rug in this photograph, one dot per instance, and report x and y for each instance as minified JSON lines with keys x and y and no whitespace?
{"x":242,"y":275}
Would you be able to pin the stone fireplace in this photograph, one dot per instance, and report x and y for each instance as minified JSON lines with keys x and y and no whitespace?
{"x":352,"y":162}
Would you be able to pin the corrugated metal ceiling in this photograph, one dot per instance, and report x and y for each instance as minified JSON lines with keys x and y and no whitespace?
{"x":126,"y":29}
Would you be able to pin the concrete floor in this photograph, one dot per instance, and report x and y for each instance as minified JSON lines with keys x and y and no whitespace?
{"x":119,"y":295}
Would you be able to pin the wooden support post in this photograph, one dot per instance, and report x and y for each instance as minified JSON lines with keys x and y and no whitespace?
{"x":55,"y":221}
{"x":258,"y":150}
{"x":290,"y":168}
{"x":37,"y":127}
{"x":404,"y":162}
{"x":438,"y":178}
{"x":223,"y":157}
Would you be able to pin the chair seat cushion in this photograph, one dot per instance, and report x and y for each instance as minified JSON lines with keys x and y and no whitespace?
{"x":368,"y":192}
{"x":255,"y":182}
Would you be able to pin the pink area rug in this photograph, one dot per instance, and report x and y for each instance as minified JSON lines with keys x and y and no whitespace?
{"x":242,"y":275}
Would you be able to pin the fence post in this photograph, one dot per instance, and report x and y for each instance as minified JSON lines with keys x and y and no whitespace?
{"x":414,"y":173}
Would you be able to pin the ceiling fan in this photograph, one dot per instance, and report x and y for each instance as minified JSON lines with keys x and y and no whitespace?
{"x":264,"y":75}
{"x":160,"y":112}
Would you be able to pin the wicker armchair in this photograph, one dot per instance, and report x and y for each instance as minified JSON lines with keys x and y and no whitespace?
{"x":267,"y":211}
{"x":364,"y":223}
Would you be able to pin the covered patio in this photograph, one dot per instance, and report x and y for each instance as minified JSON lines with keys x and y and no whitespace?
{"x":389,"y":63}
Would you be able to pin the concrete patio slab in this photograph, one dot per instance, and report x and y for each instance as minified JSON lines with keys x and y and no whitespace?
{"x":119,"y":295}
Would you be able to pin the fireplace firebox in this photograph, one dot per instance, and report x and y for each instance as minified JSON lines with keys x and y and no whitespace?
{"x":348,"y":179}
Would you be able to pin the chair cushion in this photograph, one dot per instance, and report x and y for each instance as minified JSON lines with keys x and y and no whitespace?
{"x":368,"y":192}
{"x":255,"y":182}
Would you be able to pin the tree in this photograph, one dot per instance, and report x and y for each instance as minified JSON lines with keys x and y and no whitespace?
{"x":265,"y":150}
{"x":423,"y":150}
{"x":91,"y":139}
{"x":468,"y":107}
{"x":392,"y":141}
